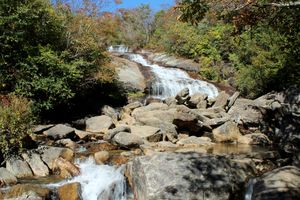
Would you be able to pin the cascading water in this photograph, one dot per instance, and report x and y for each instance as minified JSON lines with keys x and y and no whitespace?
{"x":169,"y":81}
{"x":119,"y":49}
{"x":98,"y":182}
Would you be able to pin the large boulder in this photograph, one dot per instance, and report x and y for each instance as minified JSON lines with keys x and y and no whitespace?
{"x":36,"y":164}
{"x":60,"y":131}
{"x":18,"y":168}
{"x":228,"y":132}
{"x":281,"y":183}
{"x":194,"y":141}
{"x":65,"y":168}
{"x":197,"y":100}
{"x":112,"y":132}
{"x":99,"y":124}
{"x":221,"y":100}
{"x":127,"y":140}
{"x":6,"y":177}
{"x":187,"y":176}
{"x":101,"y":157}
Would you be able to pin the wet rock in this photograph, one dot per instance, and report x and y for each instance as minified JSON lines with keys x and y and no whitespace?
{"x":84,"y":135}
{"x":194,"y":141}
{"x":281,"y":183}
{"x":99,"y":124}
{"x":71,"y":191}
{"x":152,"y":134}
{"x":228,"y":132}
{"x":221,"y":100}
{"x":36,"y":164}
{"x":65,"y":168}
{"x":50,"y":154}
{"x":101,"y":157}
{"x":127,"y":140}
{"x":60,"y":131}
{"x":255,"y":139}
{"x":39,"y":129}
{"x":6,"y":177}
{"x":119,"y":160}
{"x":27,"y":192}
{"x":112,"y":132}
{"x":187,"y":176}
{"x":102,"y":146}
{"x":19,"y":168}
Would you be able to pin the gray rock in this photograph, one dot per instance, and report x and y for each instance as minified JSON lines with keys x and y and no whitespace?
{"x":215,"y":122}
{"x":228,"y":132}
{"x":127,"y":140}
{"x":187,"y":121}
{"x":183,"y":96}
{"x":36,"y":164}
{"x":281,"y":183}
{"x":187,"y":176}
{"x":197,"y":99}
{"x":84,"y":135}
{"x":50,"y":154}
{"x":99,"y":124}
{"x":66,"y":143}
{"x":147,"y":132}
{"x":110,"y":112}
{"x":27,"y":192}
{"x":202,"y":104}
{"x":40,"y":128}
{"x":112,"y":132}
{"x":19,"y":168}
{"x":6,"y":177}
{"x":221,"y":100}
{"x":245,"y":112}
{"x":171,"y":101}
{"x":255,"y":139}
{"x":60,"y":131}
{"x":232,"y":99}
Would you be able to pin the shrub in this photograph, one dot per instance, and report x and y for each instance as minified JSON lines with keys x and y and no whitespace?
{"x":16,"y":120}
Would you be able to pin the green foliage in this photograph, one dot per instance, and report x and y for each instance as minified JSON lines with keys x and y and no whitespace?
{"x":15,"y":124}
{"x":48,"y":54}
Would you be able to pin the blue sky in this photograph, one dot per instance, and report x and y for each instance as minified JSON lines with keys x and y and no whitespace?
{"x":154,"y":4}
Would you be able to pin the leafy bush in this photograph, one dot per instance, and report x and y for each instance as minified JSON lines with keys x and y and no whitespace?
{"x":16,"y":120}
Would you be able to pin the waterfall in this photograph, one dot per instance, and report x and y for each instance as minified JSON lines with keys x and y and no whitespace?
{"x":118,"y":49}
{"x":249,"y":189}
{"x":169,"y":81}
{"x":98,"y":182}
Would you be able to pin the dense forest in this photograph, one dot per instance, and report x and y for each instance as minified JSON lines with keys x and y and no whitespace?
{"x":53,"y":52}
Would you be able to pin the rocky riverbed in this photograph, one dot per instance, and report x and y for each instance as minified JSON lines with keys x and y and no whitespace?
{"x":185,"y":147}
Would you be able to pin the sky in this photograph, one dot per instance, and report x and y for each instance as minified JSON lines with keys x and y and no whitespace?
{"x":154,"y":4}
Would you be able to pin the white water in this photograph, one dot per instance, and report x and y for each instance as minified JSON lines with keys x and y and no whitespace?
{"x":99,"y":182}
{"x":169,"y":81}
{"x":249,"y":190}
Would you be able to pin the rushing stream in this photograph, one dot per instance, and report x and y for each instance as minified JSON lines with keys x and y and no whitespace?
{"x":168,"y":81}
{"x":98,"y":182}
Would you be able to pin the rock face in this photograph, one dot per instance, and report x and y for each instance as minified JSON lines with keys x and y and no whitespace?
{"x":129,"y":74}
{"x":60,"y":131}
{"x":98,"y":124}
{"x":147,"y":132}
{"x":36,"y":164}
{"x":281,"y":183}
{"x":221,"y":100}
{"x":6,"y":178}
{"x":186,"y":176}
{"x":71,"y":191}
{"x":19,"y":168}
{"x":50,"y":154}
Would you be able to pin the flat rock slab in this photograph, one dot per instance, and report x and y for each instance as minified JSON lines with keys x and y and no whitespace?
{"x":19,"y":168}
{"x":187,"y":176}
{"x":147,"y":132}
{"x":6,"y":177}
{"x":98,"y":124}
{"x":50,"y":154}
{"x":40,"y":128}
{"x":60,"y":131}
